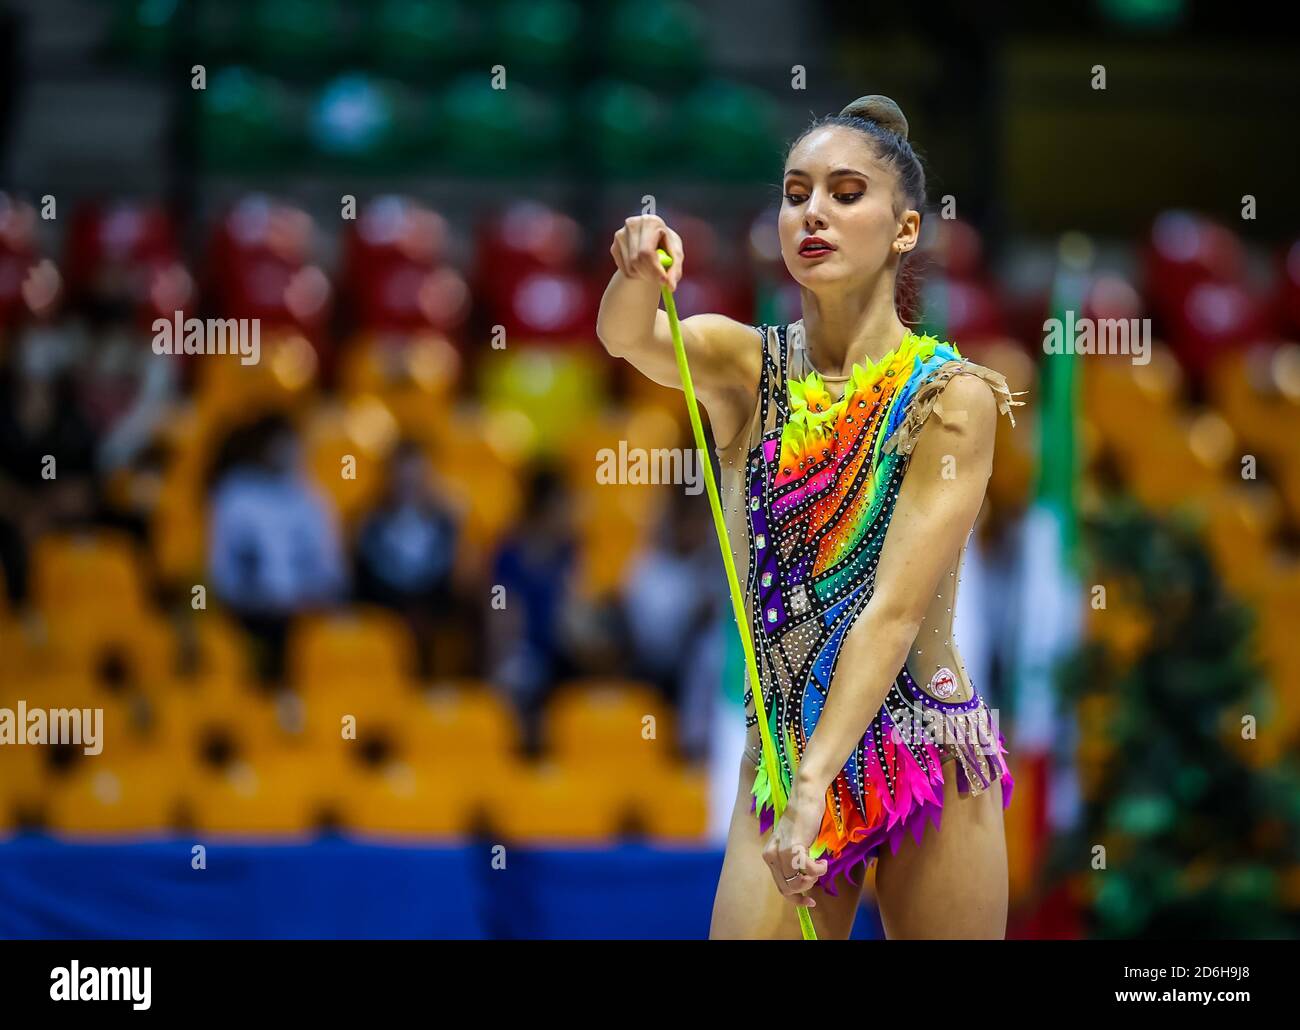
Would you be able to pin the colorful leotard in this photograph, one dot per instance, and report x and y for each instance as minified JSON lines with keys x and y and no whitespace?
{"x":809,"y":489}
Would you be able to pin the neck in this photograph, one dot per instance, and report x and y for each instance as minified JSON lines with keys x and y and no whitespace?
{"x":847,"y":327}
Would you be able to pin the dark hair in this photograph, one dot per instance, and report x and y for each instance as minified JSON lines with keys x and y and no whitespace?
{"x":883,"y":123}
{"x":249,"y":443}
{"x":406,"y":447}
{"x":545,"y":485}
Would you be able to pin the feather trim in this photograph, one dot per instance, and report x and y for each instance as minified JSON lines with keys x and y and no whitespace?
{"x":900,"y":795}
{"x":922,"y":402}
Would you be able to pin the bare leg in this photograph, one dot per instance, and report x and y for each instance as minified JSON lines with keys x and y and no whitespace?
{"x":748,"y":905}
{"x":954,"y":884}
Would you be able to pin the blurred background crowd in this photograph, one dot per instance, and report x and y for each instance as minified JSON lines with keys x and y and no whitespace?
{"x":393,"y":520}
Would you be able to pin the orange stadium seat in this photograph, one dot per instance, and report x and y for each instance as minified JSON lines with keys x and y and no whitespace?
{"x":93,"y":575}
{"x":217,"y":718}
{"x":1176,"y":460}
{"x":24,"y":781}
{"x":346,"y":447}
{"x":179,"y":533}
{"x":282,"y":378}
{"x":409,"y":798}
{"x":673,"y":803}
{"x":221,"y":652}
{"x":366,"y":646}
{"x":276,"y":794}
{"x":124,"y":730}
{"x":466,"y":735}
{"x":1015,"y":462}
{"x":138,"y":651}
{"x":1287,"y":478}
{"x":645,"y":394}
{"x":615,"y":518}
{"x":483,"y":479}
{"x":1240,"y":522}
{"x":414,"y":378}
{"x":1256,"y":391}
{"x":370,"y":717}
{"x":550,"y":802}
{"x":464,"y":723}
{"x":14,"y":648}
{"x":1125,"y":401}
{"x":139,"y":795}
{"x":178,"y":524}
{"x":1275,"y":647}
{"x":616,"y":724}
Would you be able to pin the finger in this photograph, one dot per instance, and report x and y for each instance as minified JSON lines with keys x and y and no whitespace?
{"x":620,"y":253}
{"x":781,"y":876}
{"x":638,"y":234}
{"x":661,"y":242}
{"x":616,"y":252}
{"x":673,"y":244}
{"x":647,"y":266}
{"x":806,"y":864}
{"x":791,"y":880}
{"x":816,"y":866}
{"x":647,"y":256}
{"x":796,"y":887}
{"x":628,"y":251}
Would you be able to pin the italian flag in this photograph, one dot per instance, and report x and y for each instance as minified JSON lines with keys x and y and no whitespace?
{"x":1051,"y":595}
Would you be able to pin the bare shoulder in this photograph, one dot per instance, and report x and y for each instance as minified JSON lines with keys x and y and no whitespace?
{"x":967,"y":406}
{"x":961,"y":426}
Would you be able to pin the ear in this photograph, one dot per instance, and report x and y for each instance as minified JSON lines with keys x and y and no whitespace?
{"x":909,"y":228}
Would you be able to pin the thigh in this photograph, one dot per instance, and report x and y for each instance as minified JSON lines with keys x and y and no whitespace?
{"x":953,"y":885}
{"x":748,"y":905}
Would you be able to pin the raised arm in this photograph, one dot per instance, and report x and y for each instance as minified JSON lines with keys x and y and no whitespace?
{"x":936,"y":508}
{"x":725,"y":356}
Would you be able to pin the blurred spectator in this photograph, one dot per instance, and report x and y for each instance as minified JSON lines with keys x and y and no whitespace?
{"x":535,"y":626}
{"x":127,"y":391}
{"x":274,"y":547}
{"x":406,"y":557}
{"x":46,"y":462}
{"x":671,"y":608}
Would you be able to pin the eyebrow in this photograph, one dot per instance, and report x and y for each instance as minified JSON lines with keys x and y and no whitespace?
{"x":836,"y":173}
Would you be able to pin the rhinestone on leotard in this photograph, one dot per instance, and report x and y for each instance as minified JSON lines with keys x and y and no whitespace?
{"x":818,"y":542}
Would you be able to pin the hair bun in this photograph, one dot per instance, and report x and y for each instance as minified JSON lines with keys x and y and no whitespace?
{"x":878,"y":109}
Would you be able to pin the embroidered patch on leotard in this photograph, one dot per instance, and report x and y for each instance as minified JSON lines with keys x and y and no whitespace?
{"x":943,"y":684}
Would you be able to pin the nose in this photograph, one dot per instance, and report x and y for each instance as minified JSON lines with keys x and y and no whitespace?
{"x":813,"y":218}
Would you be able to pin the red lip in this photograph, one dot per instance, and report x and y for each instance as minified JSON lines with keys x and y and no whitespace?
{"x":814,"y":242}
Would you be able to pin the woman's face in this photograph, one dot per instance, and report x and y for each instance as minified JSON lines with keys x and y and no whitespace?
{"x":836,"y":190}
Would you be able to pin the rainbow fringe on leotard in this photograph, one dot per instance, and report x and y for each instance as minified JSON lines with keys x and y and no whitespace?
{"x":822,"y":499}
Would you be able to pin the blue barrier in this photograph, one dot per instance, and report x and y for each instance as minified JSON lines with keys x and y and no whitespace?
{"x":340,"y":888}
